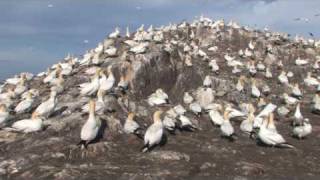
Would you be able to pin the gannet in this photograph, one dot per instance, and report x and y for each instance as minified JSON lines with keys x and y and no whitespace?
{"x":302,"y":130}
{"x":157,"y":98}
{"x":226,"y":127}
{"x":255,"y":92}
{"x":111,"y":51}
{"x":28,"y":125}
{"x":240,"y":84}
{"x":187,"y":98}
{"x":228,"y":58}
{"x":9,"y":94}
{"x":297,"y":117}
{"x":290,"y":74}
{"x":33,"y":92}
{"x":4,"y":114}
{"x":252,"y":68}
{"x":232,"y":112}
{"x":195,"y":108}
{"x":241,"y":53}
{"x":247,"y":124}
{"x":25,"y":105}
{"x":214,"y":66}
{"x":127,"y":32}
{"x":258,"y":120}
{"x":289,"y":100}
{"x":20,"y":87}
{"x":266,"y":89}
{"x":58,"y":85}
{"x":14,"y":80}
{"x":92,"y":87}
{"x":154,"y":132}
{"x":188,"y":60}
{"x":261,"y":66}
{"x":169,"y":120}
{"x":283,"y":79}
{"x":140,"y":48}
{"x":99,"y":48}
{"x":179,"y":109}
{"x":268,"y":73}
{"x":90,"y":129}
{"x":131,"y":126}
{"x":261,"y":102}
{"x":248,"y":53}
{"x":107,"y":83}
{"x":100,"y":103}
{"x":296,"y":92}
{"x":271,"y":137}
{"x":251,"y":45}
{"x":115,"y":33}
{"x":311,"y":81}
{"x":215,"y":115}
{"x":47,"y":107}
{"x":213,"y":48}
{"x":51,"y":75}
{"x":301,"y":62}
{"x":204,"y":96}
{"x":186,"y":123}
{"x":316,"y":104}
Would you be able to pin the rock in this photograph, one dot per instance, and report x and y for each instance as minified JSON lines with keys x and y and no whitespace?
{"x":170,"y":156}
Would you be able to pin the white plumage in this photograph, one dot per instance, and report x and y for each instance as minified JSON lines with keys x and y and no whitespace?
{"x":90,"y":129}
{"x":154,"y":132}
{"x":25,"y":105}
{"x":130,"y":126}
{"x":28,"y":125}
{"x":46,"y":108}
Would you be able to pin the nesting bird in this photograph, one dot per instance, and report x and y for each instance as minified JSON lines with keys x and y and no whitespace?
{"x":131,"y":126}
{"x":25,"y":105}
{"x":303,"y":130}
{"x":28,"y":125}
{"x":157,"y":98}
{"x":47,"y":107}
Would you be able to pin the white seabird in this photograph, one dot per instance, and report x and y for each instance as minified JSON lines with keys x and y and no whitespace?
{"x":270,"y":136}
{"x":25,"y":105}
{"x":28,"y":125}
{"x":90,"y":129}
{"x":303,"y":130}
{"x":154,"y":132}
{"x":47,"y":107}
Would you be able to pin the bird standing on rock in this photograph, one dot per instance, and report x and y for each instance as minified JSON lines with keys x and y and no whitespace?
{"x":226,"y":127}
{"x":154,"y":132}
{"x":90,"y":129}
{"x":271,"y":137}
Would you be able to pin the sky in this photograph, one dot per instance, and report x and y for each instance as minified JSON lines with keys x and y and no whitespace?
{"x":35,"y":34}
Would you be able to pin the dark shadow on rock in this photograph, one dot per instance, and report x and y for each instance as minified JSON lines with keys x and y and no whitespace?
{"x":100,"y":132}
{"x":58,"y":111}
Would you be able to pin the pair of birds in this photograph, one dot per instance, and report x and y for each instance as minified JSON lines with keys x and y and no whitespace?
{"x":152,"y":137}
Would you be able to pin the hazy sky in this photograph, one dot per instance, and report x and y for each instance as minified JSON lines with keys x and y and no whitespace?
{"x":37,"y":33}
